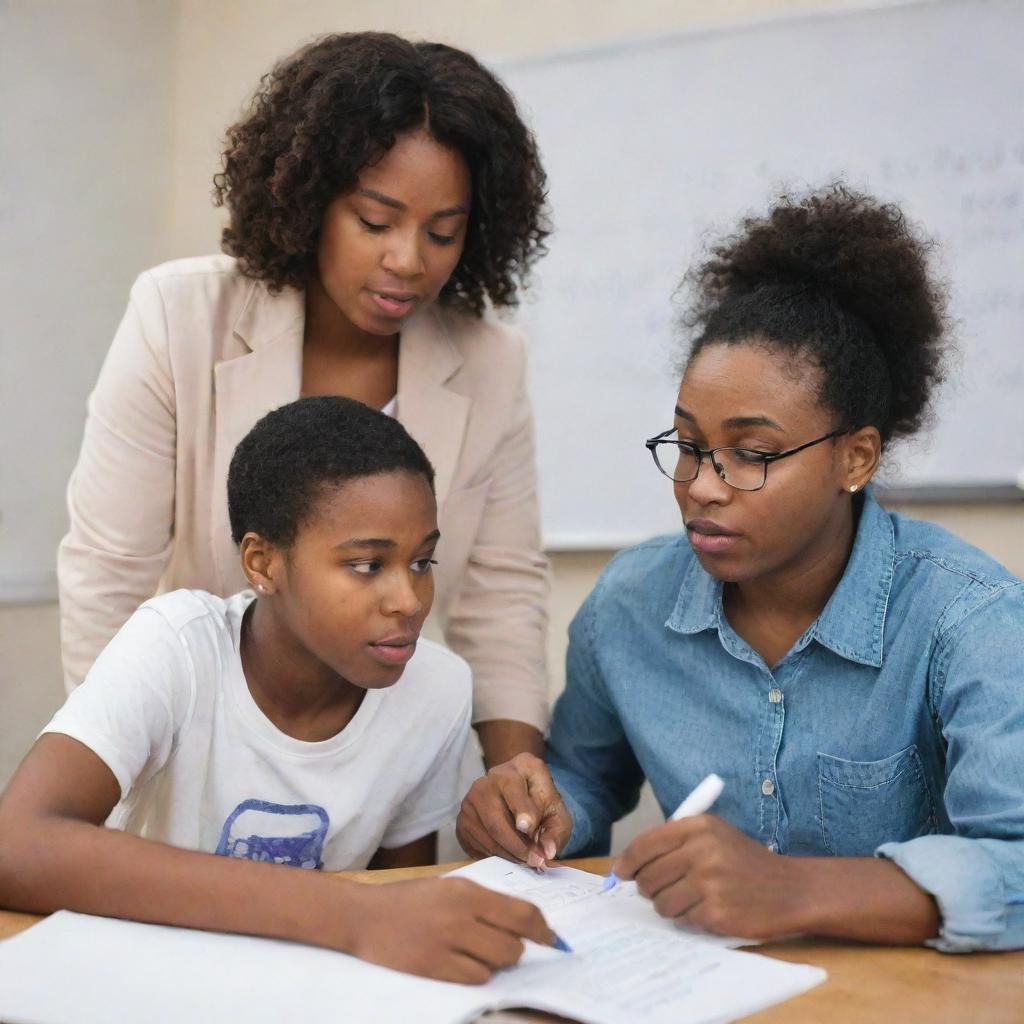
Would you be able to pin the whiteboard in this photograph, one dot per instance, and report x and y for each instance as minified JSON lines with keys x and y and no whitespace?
{"x":653,"y":147}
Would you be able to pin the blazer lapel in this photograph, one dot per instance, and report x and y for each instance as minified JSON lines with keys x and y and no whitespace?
{"x":432,"y":413}
{"x":268,"y":374}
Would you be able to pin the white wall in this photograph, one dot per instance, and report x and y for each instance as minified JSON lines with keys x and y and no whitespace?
{"x":86,"y":93}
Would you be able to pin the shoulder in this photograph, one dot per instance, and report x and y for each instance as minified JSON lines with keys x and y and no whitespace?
{"x":926,"y":549}
{"x":200,"y":622}
{"x":171,"y":644}
{"x":629,"y":568}
{"x":194,"y":274}
{"x":953,"y":577}
{"x":199,"y":288}
{"x":641,"y":578}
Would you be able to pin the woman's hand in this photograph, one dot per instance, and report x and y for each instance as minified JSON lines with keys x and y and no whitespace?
{"x":515,"y":812}
{"x":704,"y":872}
{"x":450,"y":929}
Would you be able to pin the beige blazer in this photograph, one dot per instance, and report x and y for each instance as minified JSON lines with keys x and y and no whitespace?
{"x":201,"y":354}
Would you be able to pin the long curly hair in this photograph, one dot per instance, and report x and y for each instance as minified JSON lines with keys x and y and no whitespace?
{"x":336,"y":106}
{"x":841,"y":279}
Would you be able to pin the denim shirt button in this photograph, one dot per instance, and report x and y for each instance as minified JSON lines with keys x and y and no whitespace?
{"x":767,"y":787}
{"x":774,"y":695}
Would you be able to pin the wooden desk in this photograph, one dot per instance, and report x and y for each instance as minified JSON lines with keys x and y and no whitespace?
{"x":865,"y":983}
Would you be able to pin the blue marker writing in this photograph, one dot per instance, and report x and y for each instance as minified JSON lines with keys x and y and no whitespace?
{"x":699,"y":801}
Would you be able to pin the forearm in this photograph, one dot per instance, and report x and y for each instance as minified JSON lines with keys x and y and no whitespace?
{"x":502,"y":738}
{"x":860,"y":898}
{"x":64,"y":864}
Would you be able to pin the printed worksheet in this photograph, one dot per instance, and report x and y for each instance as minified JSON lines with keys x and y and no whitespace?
{"x":627,"y":966}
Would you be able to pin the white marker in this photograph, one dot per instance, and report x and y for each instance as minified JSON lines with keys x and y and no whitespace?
{"x":700,"y":801}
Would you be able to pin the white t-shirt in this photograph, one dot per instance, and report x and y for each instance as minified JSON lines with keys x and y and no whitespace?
{"x":166,"y":707}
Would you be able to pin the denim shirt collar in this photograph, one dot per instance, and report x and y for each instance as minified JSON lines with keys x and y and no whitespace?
{"x":851,"y":624}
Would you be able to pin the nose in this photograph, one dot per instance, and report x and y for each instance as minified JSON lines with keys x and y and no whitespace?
{"x":708,"y":487}
{"x":403,"y":256}
{"x":402,"y":597}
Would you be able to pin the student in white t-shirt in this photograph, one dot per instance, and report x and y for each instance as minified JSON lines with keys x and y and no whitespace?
{"x":301,"y":723}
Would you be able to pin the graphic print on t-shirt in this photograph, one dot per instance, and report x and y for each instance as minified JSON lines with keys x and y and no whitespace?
{"x":279,"y":833}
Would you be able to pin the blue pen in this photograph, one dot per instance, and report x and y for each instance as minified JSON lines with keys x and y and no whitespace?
{"x":699,"y":801}
{"x":561,"y":944}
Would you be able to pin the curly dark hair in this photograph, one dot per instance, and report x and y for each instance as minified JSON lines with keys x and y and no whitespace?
{"x":297,"y":452}
{"x":334,"y":107}
{"x":841,"y":279}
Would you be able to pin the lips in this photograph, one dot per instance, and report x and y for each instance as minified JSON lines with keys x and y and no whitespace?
{"x":709,"y":528}
{"x":394,"y":650}
{"x":393,"y":304}
{"x":709,"y":537}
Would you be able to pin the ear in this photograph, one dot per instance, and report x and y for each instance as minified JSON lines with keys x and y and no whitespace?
{"x":861,"y":452}
{"x":261,"y":563}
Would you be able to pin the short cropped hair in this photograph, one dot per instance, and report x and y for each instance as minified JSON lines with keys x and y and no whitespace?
{"x":337,"y":106}
{"x":296,"y":453}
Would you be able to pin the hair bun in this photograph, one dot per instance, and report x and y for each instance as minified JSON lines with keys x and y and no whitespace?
{"x":850,"y":250}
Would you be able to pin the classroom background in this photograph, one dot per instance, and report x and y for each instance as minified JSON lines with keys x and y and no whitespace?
{"x":114,"y":114}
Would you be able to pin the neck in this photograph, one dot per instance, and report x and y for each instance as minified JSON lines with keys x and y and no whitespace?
{"x":327,"y":327}
{"x":301,"y":695}
{"x":799,"y":591}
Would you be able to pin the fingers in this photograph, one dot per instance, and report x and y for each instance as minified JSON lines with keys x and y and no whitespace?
{"x":556,"y":822}
{"x":500,"y":817}
{"x":677,"y":899}
{"x":517,"y":918}
{"x":493,"y":940}
{"x":661,"y":872}
{"x":655,"y":843}
{"x":497,"y":822}
{"x":514,"y":785}
{"x":492,"y":947}
{"x":472,"y":835}
{"x":463,"y":969}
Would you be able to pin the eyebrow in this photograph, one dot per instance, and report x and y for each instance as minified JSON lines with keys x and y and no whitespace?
{"x":383,"y":543}
{"x":460,"y":209}
{"x":736,"y":421}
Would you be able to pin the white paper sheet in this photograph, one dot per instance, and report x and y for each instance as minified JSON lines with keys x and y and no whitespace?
{"x":628,"y":967}
{"x":557,"y":888}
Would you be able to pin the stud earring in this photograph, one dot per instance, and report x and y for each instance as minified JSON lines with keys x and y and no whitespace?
{"x":853,"y":488}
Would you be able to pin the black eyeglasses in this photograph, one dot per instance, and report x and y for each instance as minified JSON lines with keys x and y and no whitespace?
{"x":741,"y":468}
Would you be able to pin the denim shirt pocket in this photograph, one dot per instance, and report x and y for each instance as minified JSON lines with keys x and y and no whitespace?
{"x":866,"y":803}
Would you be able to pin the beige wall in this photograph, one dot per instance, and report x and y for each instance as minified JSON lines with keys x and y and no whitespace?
{"x":86,"y":91}
{"x":223,"y":47}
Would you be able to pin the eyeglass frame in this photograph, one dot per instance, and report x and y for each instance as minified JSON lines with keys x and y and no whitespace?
{"x":765,"y":457}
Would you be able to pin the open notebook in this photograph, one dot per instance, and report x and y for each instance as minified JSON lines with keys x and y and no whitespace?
{"x":628,"y":967}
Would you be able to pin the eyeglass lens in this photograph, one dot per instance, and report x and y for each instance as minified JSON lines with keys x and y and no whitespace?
{"x":738,"y":468}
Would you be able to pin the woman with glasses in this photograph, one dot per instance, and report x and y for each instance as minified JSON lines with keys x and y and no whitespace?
{"x":855,"y":677}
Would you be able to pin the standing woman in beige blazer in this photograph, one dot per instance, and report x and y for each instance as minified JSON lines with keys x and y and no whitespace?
{"x":382,"y":196}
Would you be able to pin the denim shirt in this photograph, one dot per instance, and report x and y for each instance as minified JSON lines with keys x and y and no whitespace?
{"x":893,"y":727}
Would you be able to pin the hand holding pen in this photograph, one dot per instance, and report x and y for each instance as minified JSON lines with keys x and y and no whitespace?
{"x":515,"y":811}
{"x":700,"y":801}
{"x":699,"y":870}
